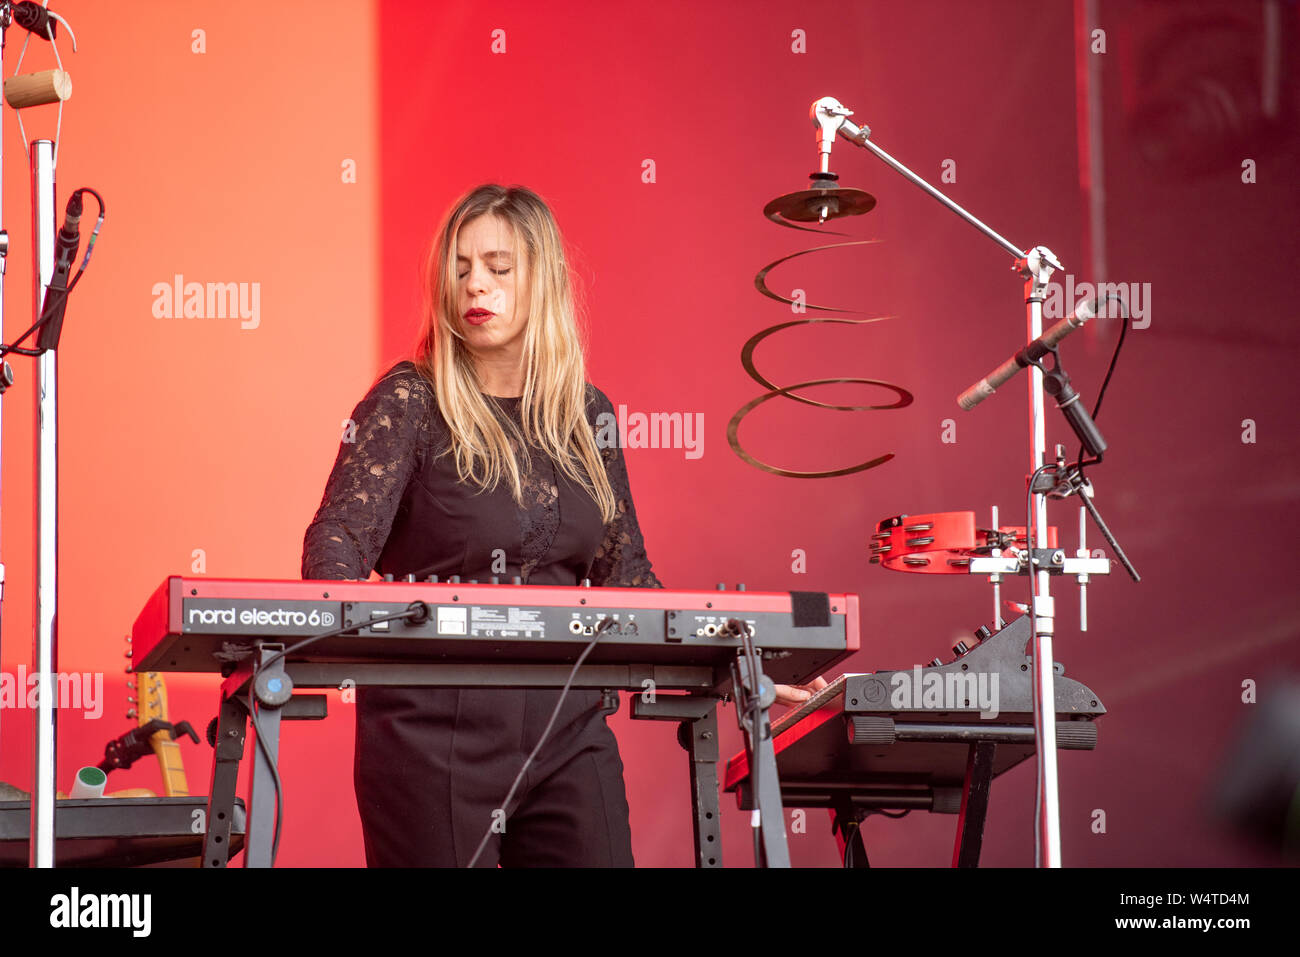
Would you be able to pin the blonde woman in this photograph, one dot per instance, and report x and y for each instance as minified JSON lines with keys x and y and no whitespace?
{"x":485,"y":449}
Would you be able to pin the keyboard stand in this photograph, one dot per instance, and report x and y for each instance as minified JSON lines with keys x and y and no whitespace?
{"x":697,"y":710}
{"x":698,"y":734}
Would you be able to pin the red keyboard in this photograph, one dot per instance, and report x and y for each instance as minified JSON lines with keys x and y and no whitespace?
{"x":197,"y":624}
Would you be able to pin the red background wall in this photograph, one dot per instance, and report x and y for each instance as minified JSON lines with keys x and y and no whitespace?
{"x":227,"y":165}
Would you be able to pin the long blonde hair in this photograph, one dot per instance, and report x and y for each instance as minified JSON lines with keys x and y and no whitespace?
{"x":555,"y":387}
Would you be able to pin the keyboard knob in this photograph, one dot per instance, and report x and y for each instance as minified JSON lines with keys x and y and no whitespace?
{"x":935,"y":662}
{"x":473,"y":581}
{"x":388,"y":578}
{"x":454,"y":579}
{"x":586,"y":583}
{"x":740,"y":587}
{"x":517,"y":581}
{"x":960,"y":649}
{"x":721,"y":587}
{"x":410,"y":577}
{"x":983,"y":632}
{"x":432,"y":579}
{"x":496,"y":579}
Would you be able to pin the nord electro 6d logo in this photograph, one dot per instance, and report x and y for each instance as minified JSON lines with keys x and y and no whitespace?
{"x":215,"y":616}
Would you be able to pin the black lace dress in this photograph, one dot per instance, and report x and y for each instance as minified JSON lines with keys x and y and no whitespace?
{"x":431,"y":763}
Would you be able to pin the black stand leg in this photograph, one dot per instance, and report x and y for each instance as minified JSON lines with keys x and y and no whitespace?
{"x":846,"y":822}
{"x":259,"y":844}
{"x":698,"y":734}
{"x":702,"y":749}
{"x":776,"y":852}
{"x":974,"y":804}
{"x":228,"y":751}
{"x":773,"y":848}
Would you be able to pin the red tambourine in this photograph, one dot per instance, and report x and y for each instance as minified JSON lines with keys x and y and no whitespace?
{"x":942,"y":543}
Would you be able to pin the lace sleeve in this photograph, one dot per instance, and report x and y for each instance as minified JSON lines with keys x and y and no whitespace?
{"x":621,"y":560}
{"x":378,"y":456}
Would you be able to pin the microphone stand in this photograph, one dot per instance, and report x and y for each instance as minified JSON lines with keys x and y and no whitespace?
{"x":1035,"y":266}
{"x":6,"y":374}
{"x":41,"y":834}
{"x":42,"y":160}
{"x":46,"y":640}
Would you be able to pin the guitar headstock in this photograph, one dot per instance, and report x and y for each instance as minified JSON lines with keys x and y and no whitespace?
{"x":147,"y":697}
{"x":151,"y":697}
{"x":146,"y":693}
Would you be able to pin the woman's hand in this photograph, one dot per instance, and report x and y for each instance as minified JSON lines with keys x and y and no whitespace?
{"x":795,"y":695}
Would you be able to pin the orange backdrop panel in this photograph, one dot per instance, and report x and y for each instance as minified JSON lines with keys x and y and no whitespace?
{"x":224,"y":138}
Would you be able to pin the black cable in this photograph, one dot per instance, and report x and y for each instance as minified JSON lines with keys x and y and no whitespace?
{"x":94,"y":234}
{"x":852,"y":830}
{"x":1110,"y":371}
{"x":414,"y":610}
{"x":5,"y":350}
{"x":275,"y":775}
{"x":1030,"y":539}
{"x":1080,"y":475}
{"x":14,"y":347}
{"x":600,"y":630}
{"x":1080,"y":464}
{"x":849,"y":829}
{"x":752,"y":705}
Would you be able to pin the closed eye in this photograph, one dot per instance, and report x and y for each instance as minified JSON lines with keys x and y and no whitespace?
{"x":499,"y":272}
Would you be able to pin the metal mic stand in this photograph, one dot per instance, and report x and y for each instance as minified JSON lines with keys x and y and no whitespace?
{"x":6,"y":374}
{"x":1035,"y":266}
{"x":32,"y":90}
{"x":46,"y":641}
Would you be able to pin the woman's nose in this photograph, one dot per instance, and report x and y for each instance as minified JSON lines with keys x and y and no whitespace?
{"x":478,"y":279}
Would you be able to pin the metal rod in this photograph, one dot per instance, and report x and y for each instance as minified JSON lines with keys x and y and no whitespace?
{"x":856,"y":135}
{"x":1047,"y":825}
{"x":996,"y":580}
{"x":45,"y":641}
{"x":1083,"y":553}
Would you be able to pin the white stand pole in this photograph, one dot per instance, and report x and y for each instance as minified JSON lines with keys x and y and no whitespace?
{"x":4,"y":260}
{"x":45,"y":643}
{"x":1036,"y":269}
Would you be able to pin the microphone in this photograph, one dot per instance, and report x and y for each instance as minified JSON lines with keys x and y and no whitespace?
{"x":1040,"y":347}
{"x":36,"y":19}
{"x":56,"y":293}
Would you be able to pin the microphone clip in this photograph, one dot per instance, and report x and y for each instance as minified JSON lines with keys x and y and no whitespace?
{"x":1065,"y":481}
{"x":1056,"y":383}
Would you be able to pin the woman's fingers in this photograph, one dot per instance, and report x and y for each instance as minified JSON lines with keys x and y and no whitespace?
{"x":798,"y":694}
{"x":791,"y":694}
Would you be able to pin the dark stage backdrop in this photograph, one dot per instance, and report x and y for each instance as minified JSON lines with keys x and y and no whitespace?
{"x":657,"y":133}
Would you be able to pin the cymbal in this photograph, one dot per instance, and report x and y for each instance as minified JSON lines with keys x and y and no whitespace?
{"x":818,"y":205}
